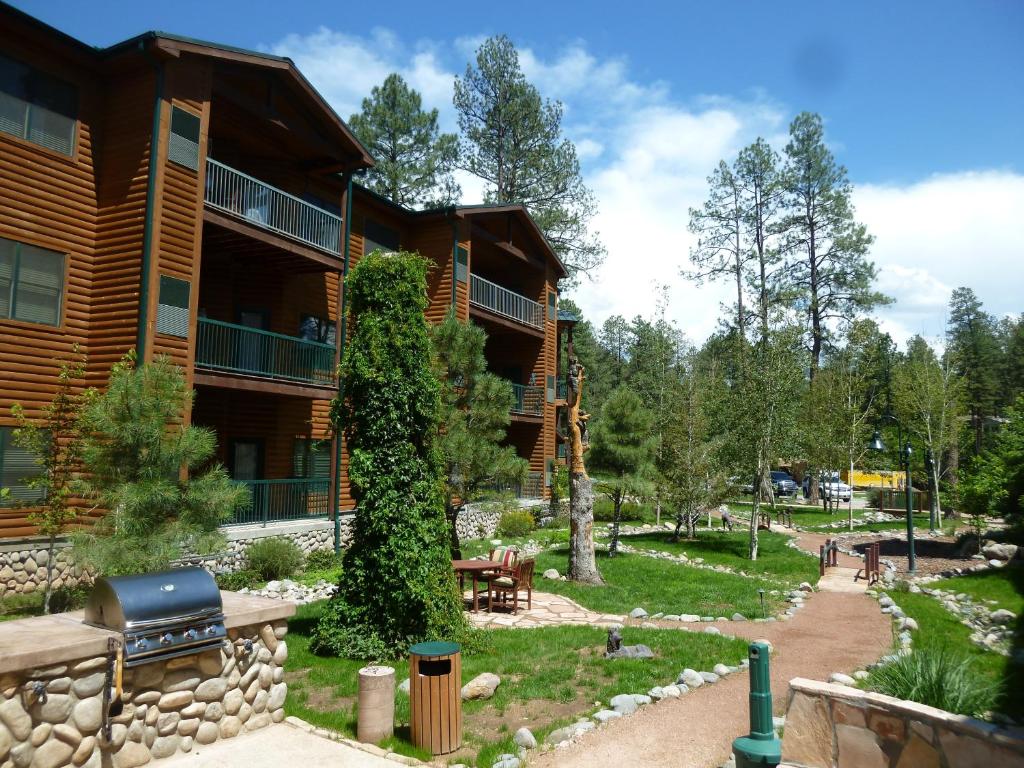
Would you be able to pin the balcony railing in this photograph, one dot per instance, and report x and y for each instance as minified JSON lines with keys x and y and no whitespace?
{"x":528,"y":400}
{"x":504,"y":302}
{"x":531,"y":488}
{"x":275,"y":500}
{"x":235,"y":348}
{"x":561,"y":390}
{"x":270,"y":208}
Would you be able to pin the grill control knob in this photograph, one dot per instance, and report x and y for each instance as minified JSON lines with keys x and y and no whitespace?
{"x":190,"y":634}
{"x":211,"y":630}
{"x":165,"y":638}
{"x":141,"y":644}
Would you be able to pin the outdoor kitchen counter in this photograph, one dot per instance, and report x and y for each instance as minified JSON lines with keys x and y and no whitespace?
{"x":46,"y":640}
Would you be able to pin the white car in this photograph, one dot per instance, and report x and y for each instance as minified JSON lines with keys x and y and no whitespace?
{"x":830,"y":486}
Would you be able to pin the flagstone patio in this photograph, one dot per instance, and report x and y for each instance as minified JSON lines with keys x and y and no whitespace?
{"x":548,"y":610}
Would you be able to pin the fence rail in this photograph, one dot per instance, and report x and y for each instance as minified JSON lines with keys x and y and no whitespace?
{"x":239,"y":349}
{"x":504,"y":302}
{"x":895,"y":502}
{"x":292,"y":499}
{"x":270,"y":208}
{"x":528,"y":400}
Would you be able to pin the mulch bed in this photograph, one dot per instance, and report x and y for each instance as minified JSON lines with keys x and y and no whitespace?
{"x":934,"y":555}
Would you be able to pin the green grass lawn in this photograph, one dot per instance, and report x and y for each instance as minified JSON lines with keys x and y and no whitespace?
{"x":550,"y":677}
{"x":1005,"y":586}
{"x":775,"y":560}
{"x":938,"y":627}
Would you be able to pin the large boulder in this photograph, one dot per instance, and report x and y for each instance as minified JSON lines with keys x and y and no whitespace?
{"x":481,"y":687}
{"x":995,"y":551}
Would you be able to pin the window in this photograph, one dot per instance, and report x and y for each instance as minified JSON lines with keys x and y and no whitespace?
{"x":549,"y":470}
{"x":16,"y":466}
{"x":377,"y":236}
{"x":311,"y":458}
{"x":312,"y":328}
{"x":38,"y":107}
{"x":461,"y":264}
{"x":183,"y":147}
{"x":172,"y":307}
{"x":552,"y":305}
{"x":31,"y":283}
{"x":551,"y":388}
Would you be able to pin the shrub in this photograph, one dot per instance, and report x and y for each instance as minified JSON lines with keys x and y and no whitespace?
{"x":246,"y":578}
{"x":322,"y":560}
{"x":274,"y":558}
{"x":69,"y":598}
{"x":514,"y":523}
{"x":939,"y":677}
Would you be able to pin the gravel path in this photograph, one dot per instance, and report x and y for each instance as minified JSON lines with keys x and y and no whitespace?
{"x":834,"y":632}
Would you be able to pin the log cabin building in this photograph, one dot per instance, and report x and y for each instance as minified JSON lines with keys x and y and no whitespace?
{"x":200,"y":202}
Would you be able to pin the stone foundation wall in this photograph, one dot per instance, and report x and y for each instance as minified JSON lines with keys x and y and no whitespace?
{"x":830,"y":725}
{"x":23,"y":566}
{"x":480,"y":521}
{"x":166,"y":707}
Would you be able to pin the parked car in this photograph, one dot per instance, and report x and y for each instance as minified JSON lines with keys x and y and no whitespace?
{"x":743,"y":486}
{"x":783,"y":483}
{"x":829,"y":486}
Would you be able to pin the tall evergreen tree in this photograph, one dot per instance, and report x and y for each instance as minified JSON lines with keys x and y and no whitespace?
{"x":973,"y":347}
{"x":512,"y":139}
{"x":397,"y":585}
{"x":829,"y":270}
{"x":475,"y":414}
{"x":414,"y":159}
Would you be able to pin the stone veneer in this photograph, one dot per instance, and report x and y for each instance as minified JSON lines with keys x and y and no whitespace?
{"x":166,"y":707}
{"x":833,"y":726}
{"x":23,"y":565}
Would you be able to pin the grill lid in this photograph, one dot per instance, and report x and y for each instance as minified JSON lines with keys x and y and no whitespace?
{"x":153,"y":599}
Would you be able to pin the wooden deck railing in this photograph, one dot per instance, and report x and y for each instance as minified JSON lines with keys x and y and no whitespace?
{"x":224,"y":346}
{"x":270,"y":208}
{"x":504,"y":302}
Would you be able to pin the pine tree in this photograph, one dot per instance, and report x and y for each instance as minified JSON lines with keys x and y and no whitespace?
{"x":151,"y":472}
{"x":414,"y":160}
{"x":974,"y":350}
{"x":397,"y":584}
{"x":623,"y":450}
{"x":512,"y":139}
{"x":829,"y":272}
{"x":56,"y":442}
{"x":475,"y":414}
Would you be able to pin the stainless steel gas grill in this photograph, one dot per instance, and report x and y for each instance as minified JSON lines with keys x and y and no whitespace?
{"x":161,"y":615}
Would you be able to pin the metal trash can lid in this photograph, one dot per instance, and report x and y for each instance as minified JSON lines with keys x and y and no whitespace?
{"x":435,"y":648}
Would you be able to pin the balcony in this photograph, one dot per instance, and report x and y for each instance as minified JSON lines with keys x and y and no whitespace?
{"x":562,"y":390}
{"x":277,"y":500}
{"x":254,"y":352}
{"x":501,"y":301}
{"x":528,"y":400}
{"x":271,"y":209}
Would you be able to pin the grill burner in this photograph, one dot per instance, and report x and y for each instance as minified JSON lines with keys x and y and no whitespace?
{"x":161,"y":615}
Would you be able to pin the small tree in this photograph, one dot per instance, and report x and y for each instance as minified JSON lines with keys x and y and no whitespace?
{"x":146,"y":468}
{"x":397,"y":584}
{"x":475,"y":408}
{"x":994,"y":482}
{"x":56,"y":442}
{"x":624,"y":450}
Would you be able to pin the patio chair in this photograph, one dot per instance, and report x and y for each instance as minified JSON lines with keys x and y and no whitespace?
{"x":504,"y":585}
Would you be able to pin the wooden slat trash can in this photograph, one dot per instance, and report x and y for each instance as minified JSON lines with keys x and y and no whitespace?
{"x":376,"y":720}
{"x":435,"y":702}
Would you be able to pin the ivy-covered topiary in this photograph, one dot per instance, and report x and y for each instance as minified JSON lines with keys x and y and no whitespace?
{"x":397,"y":584}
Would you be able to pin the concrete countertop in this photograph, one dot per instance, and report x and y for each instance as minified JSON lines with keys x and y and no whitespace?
{"x":43,"y":641}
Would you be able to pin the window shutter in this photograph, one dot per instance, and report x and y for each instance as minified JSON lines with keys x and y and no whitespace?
{"x":183,"y":147}
{"x":461,"y":264}
{"x":172,"y":309}
{"x":299,"y":457}
{"x":37,"y":106}
{"x":551,"y":389}
{"x":39,"y":280}
{"x":549,"y":467}
{"x":7,"y":256}
{"x":320,"y":460}
{"x":16,"y":466}
{"x":552,"y":306}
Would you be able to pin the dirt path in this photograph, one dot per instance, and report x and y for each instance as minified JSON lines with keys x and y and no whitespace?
{"x":836,"y":631}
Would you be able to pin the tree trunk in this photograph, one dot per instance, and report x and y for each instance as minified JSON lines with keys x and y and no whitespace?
{"x":657,"y":512}
{"x":850,"y":503}
{"x":452,"y":513}
{"x":813,"y":489}
{"x":582,"y":560}
{"x":49,"y":577}
{"x":613,"y":545}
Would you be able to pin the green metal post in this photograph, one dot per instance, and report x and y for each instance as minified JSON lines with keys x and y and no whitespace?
{"x":909,"y":494}
{"x":760,"y":747}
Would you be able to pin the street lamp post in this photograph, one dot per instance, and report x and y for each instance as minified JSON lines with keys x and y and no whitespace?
{"x":908,"y":491}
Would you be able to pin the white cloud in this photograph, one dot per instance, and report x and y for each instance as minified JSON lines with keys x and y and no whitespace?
{"x":647,"y":154}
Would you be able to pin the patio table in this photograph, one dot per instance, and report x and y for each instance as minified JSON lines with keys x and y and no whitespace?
{"x":474,"y":568}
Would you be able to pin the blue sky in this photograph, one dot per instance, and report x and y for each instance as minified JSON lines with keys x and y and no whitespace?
{"x":923,"y":102}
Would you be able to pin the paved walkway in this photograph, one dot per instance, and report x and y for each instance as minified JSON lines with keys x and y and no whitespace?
{"x":273,"y":747}
{"x":838,"y":630}
{"x":548,"y":610}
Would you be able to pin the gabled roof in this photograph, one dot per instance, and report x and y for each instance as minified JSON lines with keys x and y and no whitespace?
{"x":479,"y":209}
{"x":172,"y":45}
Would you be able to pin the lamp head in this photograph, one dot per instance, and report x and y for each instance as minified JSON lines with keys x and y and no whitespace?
{"x":876,"y":443}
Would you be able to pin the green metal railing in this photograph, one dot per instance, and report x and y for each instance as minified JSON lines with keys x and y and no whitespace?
{"x":528,"y":400}
{"x":292,"y":499}
{"x":228,"y":347}
{"x":270,"y":208}
{"x":504,"y":302}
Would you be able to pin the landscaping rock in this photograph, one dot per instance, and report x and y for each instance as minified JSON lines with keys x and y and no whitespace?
{"x":689,"y":617}
{"x":624,"y":704}
{"x":709,"y":677}
{"x":721,"y":670}
{"x":605,"y":715}
{"x":841,"y":679}
{"x":1002,"y":616}
{"x":631,"y":652}
{"x":713,"y":630}
{"x":525,"y":738}
{"x":672,"y":691}
{"x":995,"y":551}
{"x":551,"y":573}
{"x":738,"y":617}
{"x":480,"y":687}
{"x":908,"y":623}
{"x":691,"y":678}
{"x":507,"y":761}
{"x":638,"y":613}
